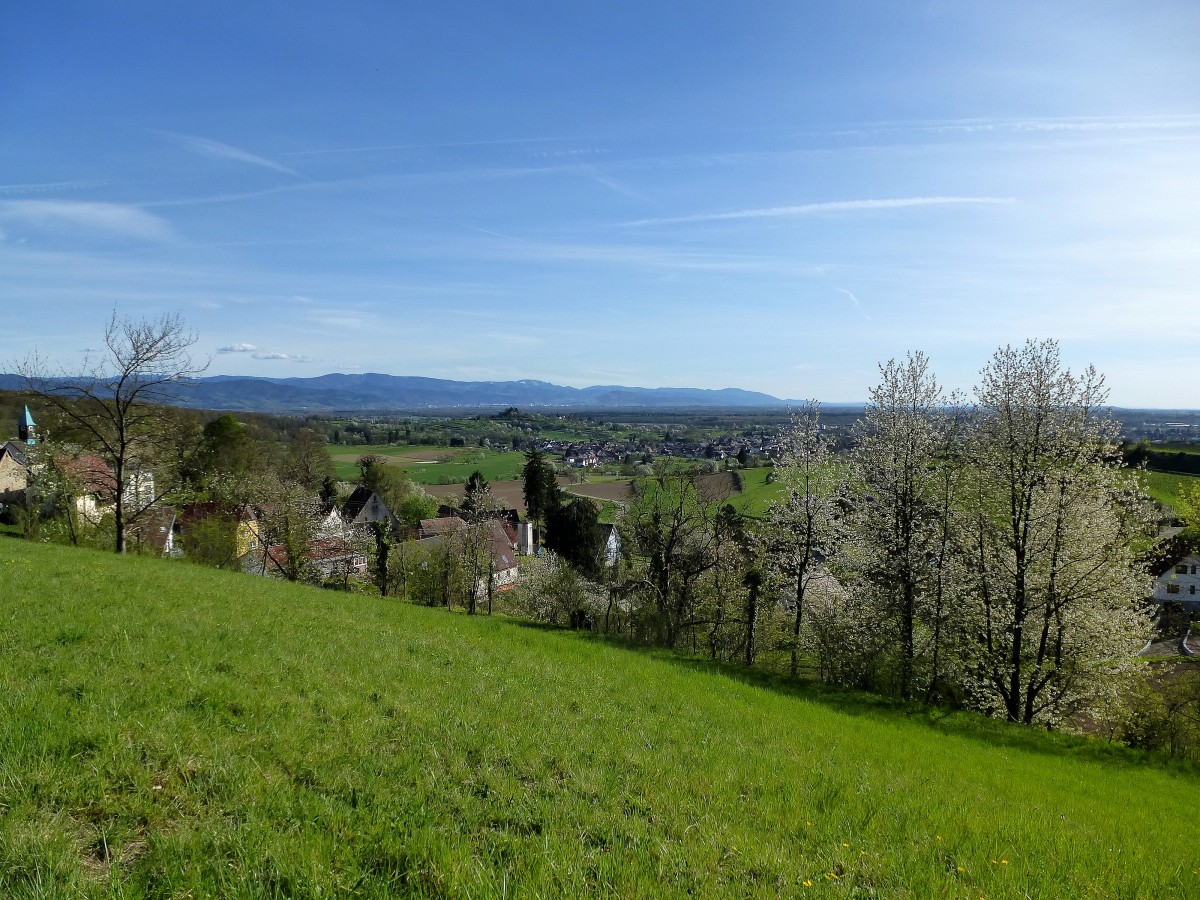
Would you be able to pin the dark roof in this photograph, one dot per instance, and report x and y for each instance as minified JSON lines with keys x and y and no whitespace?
{"x":1163,"y":556}
{"x":365,"y":505}
{"x":15,"y":450}
{"x":356,"y":501}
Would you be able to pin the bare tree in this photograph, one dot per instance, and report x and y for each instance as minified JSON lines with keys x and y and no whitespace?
{"x":115,"y":406}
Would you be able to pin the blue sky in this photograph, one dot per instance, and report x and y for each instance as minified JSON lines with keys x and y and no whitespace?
{"x":769,"y":195}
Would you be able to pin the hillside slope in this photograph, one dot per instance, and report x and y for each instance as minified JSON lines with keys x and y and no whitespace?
{"x":167,"y":730}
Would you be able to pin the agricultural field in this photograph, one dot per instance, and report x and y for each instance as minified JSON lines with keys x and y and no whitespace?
{"x":611,"y":488}
{"x":1166,"y":487}
{"x":508,"y":494}
{"x":433,"y":465}
{"x":756,"y":495}
{"x":169,"y":730}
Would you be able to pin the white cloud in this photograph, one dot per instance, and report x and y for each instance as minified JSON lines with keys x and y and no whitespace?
{"x":288,"y":357}
{"x":108,"y":219}
{"x":219,"y":150}
{"x":237,"y":348}
{"x":828,"y":207}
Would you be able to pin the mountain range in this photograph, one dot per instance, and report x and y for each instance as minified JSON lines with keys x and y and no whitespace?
{"x":376,"y":392}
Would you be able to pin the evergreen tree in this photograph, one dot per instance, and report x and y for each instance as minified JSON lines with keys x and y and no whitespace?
{"x":541,"y":488}
{"x":573,"y":532}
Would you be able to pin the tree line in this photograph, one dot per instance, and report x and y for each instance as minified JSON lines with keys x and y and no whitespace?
{"x":980,"y":553}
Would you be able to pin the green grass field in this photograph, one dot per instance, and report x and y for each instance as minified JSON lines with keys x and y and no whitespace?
{"x":425,"y":465}
{"x":756,"y":495}
{"x":1165,"y":487}
{"x":172,"y":731}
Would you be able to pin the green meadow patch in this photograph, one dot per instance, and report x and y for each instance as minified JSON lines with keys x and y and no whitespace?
{"x":757,"y":494}
{"x":1167,"y":487}
{"x":169,"y":731}
{"x":433,"y":465}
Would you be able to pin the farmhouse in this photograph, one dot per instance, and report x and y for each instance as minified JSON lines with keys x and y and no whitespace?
{"x":365,"y":506}
{"x":1180,"y":583}
{"x":328,"y":558}
{"x":14,"y":476}
{"x":195,"y":518}
{"x":498,"y":543}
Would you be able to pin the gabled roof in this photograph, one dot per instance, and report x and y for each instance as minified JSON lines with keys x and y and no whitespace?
{"x":14,"y":450}
{"x":500,"y":548}
{"x":322,"y":550}
{"x":441,"y":525}
{"x":356,"y":501}
{"x":90,"y":473}
{"x":366,"y":505}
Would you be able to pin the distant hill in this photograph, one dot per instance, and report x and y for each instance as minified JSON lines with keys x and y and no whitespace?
{"x":371,"y":391}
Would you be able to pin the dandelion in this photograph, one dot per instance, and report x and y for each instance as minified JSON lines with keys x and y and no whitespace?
{"x":807,"y":882}
{"x":1004,"y":862}
{"x":937,"y":837}
{"x":844,"y":844}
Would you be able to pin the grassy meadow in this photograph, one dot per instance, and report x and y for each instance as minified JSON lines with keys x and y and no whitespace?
{"x":1166,"y":487}
{"x":756,"y":495}
{"x":173,"y":731}
{"x":432,"y":465}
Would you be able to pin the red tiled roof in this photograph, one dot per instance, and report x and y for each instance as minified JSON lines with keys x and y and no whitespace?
{"x":90,"y":472}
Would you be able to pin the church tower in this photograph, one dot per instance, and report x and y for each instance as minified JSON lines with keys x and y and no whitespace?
{"x":27,"y":428}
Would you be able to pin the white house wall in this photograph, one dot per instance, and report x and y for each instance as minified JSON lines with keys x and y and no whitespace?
{"x":1180,"y":582}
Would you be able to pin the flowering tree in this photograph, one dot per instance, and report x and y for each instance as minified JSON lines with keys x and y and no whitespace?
{"x":1048,"y":524}
{"x":896,"y":527}
{"x":800,"y":531}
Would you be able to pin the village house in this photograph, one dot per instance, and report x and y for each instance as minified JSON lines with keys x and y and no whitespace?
{"x":365,"y":506}
{"x":14,"y":461}
{"x":1179,"y":582}
{"x":153,"y":532}
{"x":14,"y":474}
{"x":247,"y":530}
{"x":329,"y":558}
{"x":499,"y":543}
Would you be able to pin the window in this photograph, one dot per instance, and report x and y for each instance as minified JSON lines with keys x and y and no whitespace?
{"x":1181,"y":570}
{"x":1193,"y":570}
{"x":1191,"y":589}
{"x":1172,"y":589}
